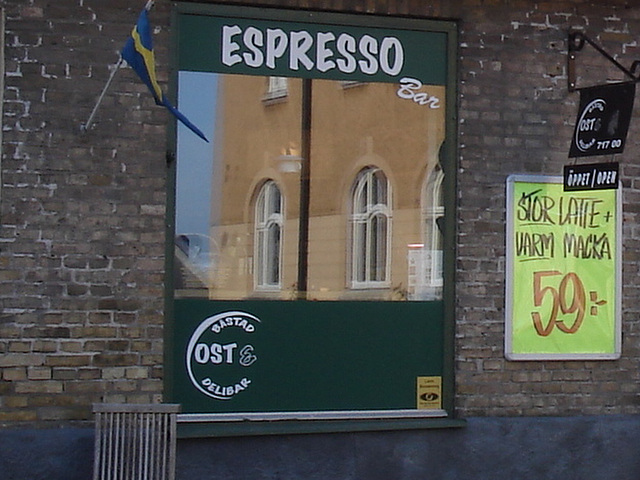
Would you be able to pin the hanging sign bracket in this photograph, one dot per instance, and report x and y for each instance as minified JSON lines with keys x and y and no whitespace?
{"x":576,"y":43}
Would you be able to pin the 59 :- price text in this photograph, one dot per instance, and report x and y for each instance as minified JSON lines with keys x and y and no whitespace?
{"x":568,"y":297}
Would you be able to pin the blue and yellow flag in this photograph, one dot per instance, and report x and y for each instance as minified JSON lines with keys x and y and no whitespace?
{"x":138,"y":52}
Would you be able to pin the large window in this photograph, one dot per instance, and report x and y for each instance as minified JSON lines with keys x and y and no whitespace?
{"x":309,"y":274}
{"x":371,"y":229}
{"x":268,"y":233}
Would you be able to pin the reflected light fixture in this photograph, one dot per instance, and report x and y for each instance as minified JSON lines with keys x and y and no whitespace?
{"x":290,"y":161}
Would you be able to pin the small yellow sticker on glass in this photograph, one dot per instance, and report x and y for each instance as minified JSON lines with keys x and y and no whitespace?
{"x":429,"y":390}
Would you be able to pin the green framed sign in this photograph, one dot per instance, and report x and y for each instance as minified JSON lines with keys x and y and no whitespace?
{"x":304,"y":48}
{"x":563,"y":271}
{"x":311,"y":251}
{"x":305,"y":356}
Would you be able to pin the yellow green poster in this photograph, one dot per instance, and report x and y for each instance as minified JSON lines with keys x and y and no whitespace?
{"x":563,"y":271}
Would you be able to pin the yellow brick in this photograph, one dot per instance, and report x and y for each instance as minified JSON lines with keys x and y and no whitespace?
{"x":39,"y":373}
{"x":21,"y":360}
{"x":137,"y":372}
{"x":15,"y":402}
{"x":17,"y":416}
{"x":44,"y":386}
{"x":113,"y":373}
{"x":73,"y":347}
{"x":20,"y":347}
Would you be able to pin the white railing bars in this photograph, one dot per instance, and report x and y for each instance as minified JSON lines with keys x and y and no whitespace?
{"x":135,"y":441}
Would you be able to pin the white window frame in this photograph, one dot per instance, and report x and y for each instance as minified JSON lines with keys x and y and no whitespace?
{"x":277,"y":89}
{"x":346,"y":84}
{"x":432,"y":209}
{"x":366,"y":252}
{"x":267,"y":218}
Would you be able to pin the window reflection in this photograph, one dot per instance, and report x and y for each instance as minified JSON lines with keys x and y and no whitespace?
{"x":426,"y":258}
{"x":375,"y":201}
{"x":268,"y":233}
{"x":277,"y":89}
{"x":370,"y":233}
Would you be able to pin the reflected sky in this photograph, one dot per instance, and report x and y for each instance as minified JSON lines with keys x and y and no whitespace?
{"x":197,"y":100}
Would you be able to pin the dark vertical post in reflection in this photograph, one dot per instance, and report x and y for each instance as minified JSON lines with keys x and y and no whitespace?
{"x":305,"y":187}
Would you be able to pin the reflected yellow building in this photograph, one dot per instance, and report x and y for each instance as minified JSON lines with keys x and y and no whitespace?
{"x":374,"y":190}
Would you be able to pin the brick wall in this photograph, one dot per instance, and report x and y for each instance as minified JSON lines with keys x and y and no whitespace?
{"x":82,"y":238}
{"x":82,"y":235}
{"x":517,"y":116}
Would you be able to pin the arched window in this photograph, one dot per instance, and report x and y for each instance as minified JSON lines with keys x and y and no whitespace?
{"x":430,"y":281}
{"x":370,"y":229}
{"x":268,"y":237}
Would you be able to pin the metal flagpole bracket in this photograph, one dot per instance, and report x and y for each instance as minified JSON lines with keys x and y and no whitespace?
{"x":576,"y":42}
{"x":114,"y":70}
{"x":87,"y":126}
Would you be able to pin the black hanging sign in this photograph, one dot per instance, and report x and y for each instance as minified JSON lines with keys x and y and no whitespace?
{"x":603,"y":120}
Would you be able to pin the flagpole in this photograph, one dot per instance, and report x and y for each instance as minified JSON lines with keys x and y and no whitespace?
{"x":87,"y":125}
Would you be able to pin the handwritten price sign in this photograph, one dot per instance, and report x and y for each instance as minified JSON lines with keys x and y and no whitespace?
{"x":563,"y":271}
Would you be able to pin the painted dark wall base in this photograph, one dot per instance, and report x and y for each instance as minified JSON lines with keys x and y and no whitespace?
{"x":568,"y":448}
{"x":55,"y":454}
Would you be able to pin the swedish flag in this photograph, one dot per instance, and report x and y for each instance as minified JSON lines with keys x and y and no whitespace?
{"x":138,"y":52}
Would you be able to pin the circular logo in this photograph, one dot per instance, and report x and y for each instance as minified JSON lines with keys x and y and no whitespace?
{"x":589,"y":124}
{"x":219,"y":354}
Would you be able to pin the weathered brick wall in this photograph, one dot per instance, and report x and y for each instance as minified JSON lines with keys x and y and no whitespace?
{"x":82,"y":236}
{"x":517,"y":116}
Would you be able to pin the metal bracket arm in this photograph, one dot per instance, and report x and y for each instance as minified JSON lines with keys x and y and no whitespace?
{"x":576,"y":43}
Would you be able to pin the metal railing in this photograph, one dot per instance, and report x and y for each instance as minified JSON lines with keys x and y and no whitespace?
{"x":135,"y":441}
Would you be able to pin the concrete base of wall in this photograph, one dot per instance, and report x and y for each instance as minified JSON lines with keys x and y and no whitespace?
{"x":55,"y":454}
{"x":598,"y":448}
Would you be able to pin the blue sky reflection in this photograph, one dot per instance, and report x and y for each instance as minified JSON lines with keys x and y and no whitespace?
{"x":197,"y":100}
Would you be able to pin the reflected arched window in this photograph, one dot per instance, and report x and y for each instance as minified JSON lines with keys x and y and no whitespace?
{"x":268,"y":237}
{"x":430,"y":280}
{"x":370,"y":229}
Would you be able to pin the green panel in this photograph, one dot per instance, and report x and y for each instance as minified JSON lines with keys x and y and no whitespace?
{"x":310,"y":356}
{"x":201,"y":37}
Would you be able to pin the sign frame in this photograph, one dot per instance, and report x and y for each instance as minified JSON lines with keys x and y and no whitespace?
{"x":593,"y":176}
{"x":193,"y":424}
{"x":514,"y":326}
